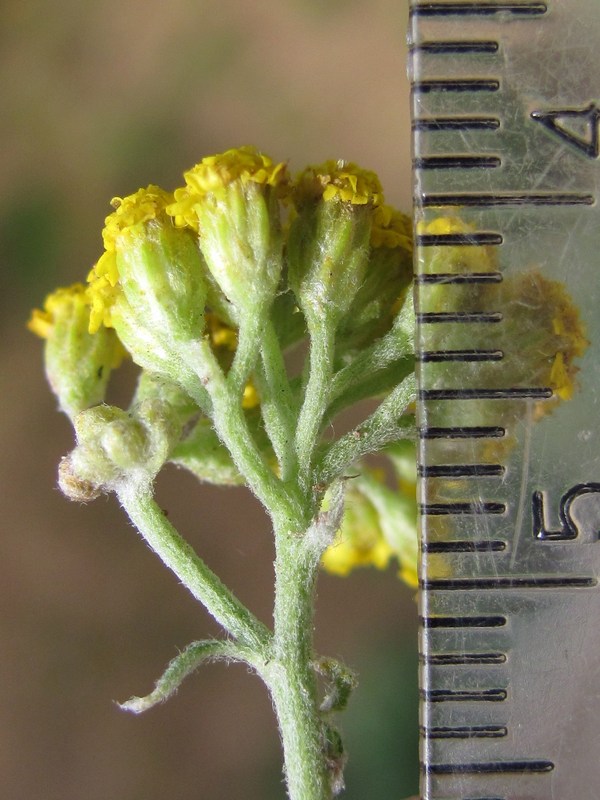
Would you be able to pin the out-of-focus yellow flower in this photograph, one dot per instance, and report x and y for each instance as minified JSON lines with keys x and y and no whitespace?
{"x":542,"y":335}
{"x":250,"y":398}
{"x":379,"y":524}
{"x":391,"y":228}
{"x":360,"y":541}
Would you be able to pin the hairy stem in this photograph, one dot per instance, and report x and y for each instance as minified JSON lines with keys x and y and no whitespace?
{"x":316,"y":396}
{"x":291,"y":678}
{"x":277,"y":403}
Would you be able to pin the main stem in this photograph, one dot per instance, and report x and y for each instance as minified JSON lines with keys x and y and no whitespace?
{"x":290,"y":676}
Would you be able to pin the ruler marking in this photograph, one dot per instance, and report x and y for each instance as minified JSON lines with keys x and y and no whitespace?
{"x":465,"y":546}
{"x":491,"y":199}
{"x":464,"y":695}
{"x":457,"y":47}
{"x":456,"y":124}
{"x":478,"y":9}
{"x":511,"y":393}
{"x":463,"y":659}
{"x":480,"y":239}
{"x":488,"y":621}
{"x":474,"y":432}
{"x":489,"y":767}
{"x":464,"y":732}
{"x":477,"y":507}
{"x":509,"y":582}
{"x":460,"y":470}
{"x":464,"y":356}
{"x":459,"y":277}
{"x":456,"y":85}
{"x":433,"y":317}
{"x":458,"y":161}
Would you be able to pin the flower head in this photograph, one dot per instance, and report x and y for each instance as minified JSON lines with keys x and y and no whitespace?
{"x":78,"y":363}
{"x":215,"y":173}
{"x":231,"y":201}
{"x":150,"y":282}
{"x":340,"y":180}
{"x":127,"y":221}
{"x":328,"y":242}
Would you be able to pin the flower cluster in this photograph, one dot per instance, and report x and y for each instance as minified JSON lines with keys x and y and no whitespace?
{"x":207,"y":287}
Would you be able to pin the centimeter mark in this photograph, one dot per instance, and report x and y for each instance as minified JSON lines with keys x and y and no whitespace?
{"x":457,"y":162}
{"x":476,"y":508}
{"x":463,"y":659}
{"x":460,"y":470}
{"x":530,"y":9}
{"x":465,"y":546}
{"x":456,"y":47}
{"x":509,"y":582}
{"x":466,"y":356}
{"x":459,"y":316}
{"x":459,"y":239}
{"x":456,"y":124}
{"x":488,"y":621}
{"x":489,"y":767}
{"x":464,"y":732}
{"x":456,"y":85}
{"x":474,"y":432}
{"x":464,"y":695}
{"x":460,"y":277}
{"x":490,"y":199}
{"x":511,"y":393}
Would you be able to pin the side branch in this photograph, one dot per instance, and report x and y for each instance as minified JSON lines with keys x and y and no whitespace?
{"x":191,"y":570}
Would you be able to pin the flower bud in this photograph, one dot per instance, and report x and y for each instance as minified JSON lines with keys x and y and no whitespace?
{"x":231,"y":200}
{"x":78,"y":363}
{"x":116,"y":446}
{"x":149,"y":284}
{"x":328,"y":243}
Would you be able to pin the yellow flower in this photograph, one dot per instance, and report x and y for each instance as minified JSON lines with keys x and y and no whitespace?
{"x":214,"y":173}
{"x":78,"y":364}
{"x":231,"y":201}
{"x":125,"y":223}
{"x":338,"y":179}
{"x":42,"y":322}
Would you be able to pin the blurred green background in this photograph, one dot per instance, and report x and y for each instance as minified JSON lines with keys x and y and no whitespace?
{"x":99,"y":99}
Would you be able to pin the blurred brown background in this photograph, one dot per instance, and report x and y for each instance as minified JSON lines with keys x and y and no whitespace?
{"x":99,"y":99}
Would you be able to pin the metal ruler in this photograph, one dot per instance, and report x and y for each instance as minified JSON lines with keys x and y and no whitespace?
{"x":506,"y":110}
